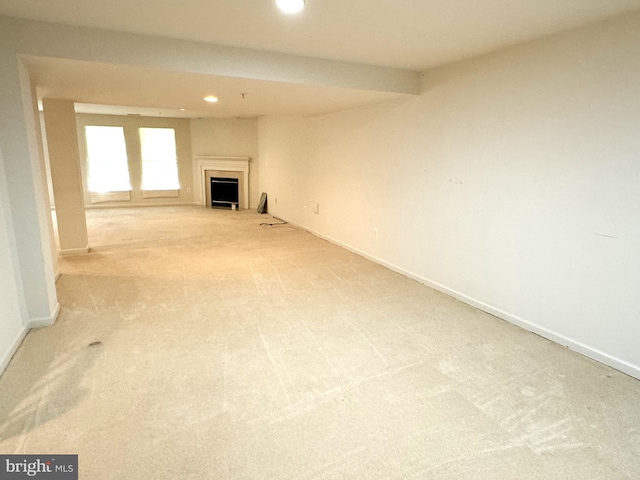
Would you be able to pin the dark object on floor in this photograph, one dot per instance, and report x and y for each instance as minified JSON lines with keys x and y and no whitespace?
{"x":262,"y":206}
{"x":95,"y":344}
{"x":266,"y":224}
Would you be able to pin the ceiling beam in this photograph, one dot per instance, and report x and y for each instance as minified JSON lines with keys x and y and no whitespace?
{"x":97,"y":45}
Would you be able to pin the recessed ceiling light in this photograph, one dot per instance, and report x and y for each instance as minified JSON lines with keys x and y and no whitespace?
{"x":183,"y":109}
{"x":290,"y":6}
{"x":211,"y":99}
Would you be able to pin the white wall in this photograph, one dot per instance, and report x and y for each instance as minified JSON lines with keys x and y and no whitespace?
{"x":234,"y":137}
{"x":12,"y":307}
{"x":24,"y":198}
{"x":512,"y":182}
{"x":27,"y":290}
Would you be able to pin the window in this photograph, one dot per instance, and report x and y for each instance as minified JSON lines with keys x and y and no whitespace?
{"x":107,"y":159}
{"x":159,"y":159}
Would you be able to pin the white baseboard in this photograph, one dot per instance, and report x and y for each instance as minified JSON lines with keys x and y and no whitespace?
{"x":576,"y":346}
{"x":33,"y":323}
{"x":8,"y":355}
{"x":75,"y":251}
{"x":45,"y":321}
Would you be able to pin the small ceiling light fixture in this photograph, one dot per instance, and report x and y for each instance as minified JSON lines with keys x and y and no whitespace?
{"x":290,"y":6}
{"x":210,"y":99}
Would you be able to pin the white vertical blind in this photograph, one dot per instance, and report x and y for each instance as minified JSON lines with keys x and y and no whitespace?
{"x":159,"y":159}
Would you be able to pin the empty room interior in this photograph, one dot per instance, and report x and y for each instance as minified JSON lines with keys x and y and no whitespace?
{"x":333,"y":240}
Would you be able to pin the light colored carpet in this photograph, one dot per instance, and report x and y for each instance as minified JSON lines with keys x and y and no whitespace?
{"x":231,"y":350}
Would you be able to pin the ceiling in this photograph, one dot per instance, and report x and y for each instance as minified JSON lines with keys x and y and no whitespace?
{"x":410,"y":34}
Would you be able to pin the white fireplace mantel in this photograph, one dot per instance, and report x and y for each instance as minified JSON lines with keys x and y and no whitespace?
{"x":223,"y":164}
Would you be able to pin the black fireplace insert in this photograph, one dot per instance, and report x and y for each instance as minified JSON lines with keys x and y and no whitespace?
{"x":224,"y":192}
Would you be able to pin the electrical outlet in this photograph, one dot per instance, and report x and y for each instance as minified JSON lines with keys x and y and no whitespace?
{"x":276,"y":200}
{"x":188,"y":189}
{"x":375,"y":232}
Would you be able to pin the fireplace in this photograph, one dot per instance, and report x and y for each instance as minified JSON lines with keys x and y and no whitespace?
{"x":224,"y":192}
{"x":226,"y":168}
